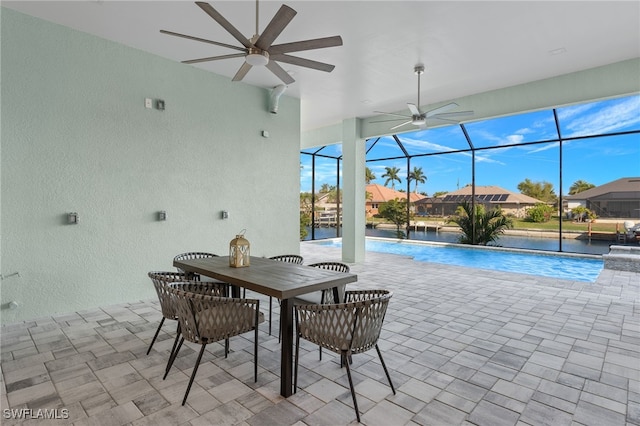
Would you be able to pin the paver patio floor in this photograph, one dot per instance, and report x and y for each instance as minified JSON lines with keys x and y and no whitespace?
{"x":464,"y":346}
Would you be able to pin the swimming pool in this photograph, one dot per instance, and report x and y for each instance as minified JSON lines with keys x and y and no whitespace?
{"x":569,"y":267}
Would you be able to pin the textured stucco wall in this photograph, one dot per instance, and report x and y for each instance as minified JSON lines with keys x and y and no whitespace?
{"x":76,"y":136}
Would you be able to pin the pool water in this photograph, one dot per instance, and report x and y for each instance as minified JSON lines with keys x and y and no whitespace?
{"x":575,"y":268}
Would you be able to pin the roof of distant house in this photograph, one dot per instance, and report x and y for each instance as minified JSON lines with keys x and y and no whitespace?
{"x":629,"y":185}
{"x":382,"y":194}
{"x":488,"y":194}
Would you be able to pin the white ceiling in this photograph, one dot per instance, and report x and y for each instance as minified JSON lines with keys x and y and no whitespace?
{"x":467,"y":47}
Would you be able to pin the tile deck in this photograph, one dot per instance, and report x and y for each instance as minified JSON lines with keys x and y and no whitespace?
{"x":464,"y":347}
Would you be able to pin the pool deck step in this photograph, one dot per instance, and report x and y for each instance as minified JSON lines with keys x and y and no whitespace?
{"x":622,"y":258}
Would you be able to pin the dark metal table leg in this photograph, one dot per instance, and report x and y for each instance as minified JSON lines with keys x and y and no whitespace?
{"x":235,"y":291}
{"x":286,"y":361}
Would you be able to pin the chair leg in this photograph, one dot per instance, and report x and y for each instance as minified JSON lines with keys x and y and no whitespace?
{"x":385,"y":369}
{"x":175,"y":341}
{"x":255,"y":353}
{"x":226,"y":347}
{"x":172,"y":358}
{"x":173,"y":348}
{"x":155,"y":336}
{"x":353,"y":392}
{"x":193,"y":375}
{"x":295,"y":365}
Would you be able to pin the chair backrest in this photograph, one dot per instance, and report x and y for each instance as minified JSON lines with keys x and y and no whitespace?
{"x":193,"y":255}
{"x":291,"y":258}
{"x":205,"y":318}
{"x":327,"y":295}
{"x":332,"y":266}
{"x":353,"y":326}
{"x":160,"y":280}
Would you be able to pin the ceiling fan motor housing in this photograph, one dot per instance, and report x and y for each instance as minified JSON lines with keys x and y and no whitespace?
{"x":257,"y":57}
{"x":419,"y":120}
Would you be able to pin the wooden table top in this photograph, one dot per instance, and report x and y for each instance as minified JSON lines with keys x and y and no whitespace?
{"x":270,"y":277}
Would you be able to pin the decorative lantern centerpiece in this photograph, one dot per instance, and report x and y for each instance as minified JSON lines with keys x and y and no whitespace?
{"x":239,"y":251}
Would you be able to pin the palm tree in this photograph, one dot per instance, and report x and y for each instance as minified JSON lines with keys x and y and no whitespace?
{"x":486,"y":227}
{"x":579,"y":186}
{"x":392,"y":175}
{"x":325,"y":188}
{"x":417,"y":176}
{"x":369,"y":176}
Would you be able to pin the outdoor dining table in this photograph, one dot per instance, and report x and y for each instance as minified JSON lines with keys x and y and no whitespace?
{"x":272,"y":278}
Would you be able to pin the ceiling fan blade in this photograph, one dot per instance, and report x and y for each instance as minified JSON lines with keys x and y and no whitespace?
{"x":280,"y":72}
{"x":298,"y":46}
{"x":308,"y":63}
{"x":229,"y":46}
{"x":281,"y":19}
{"x":244,"y":69}
{"x":414,"y":109}
{"x":387,"y":121}
{"x":400,"y":125}
{"x":452,"y":115}
{"x":441,"y":109}
{"x":209,"y":10}
{"x":214,"y":58}
{"x":391,"y":113}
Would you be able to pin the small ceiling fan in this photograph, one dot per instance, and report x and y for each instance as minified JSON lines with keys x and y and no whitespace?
{"x":418,"y":118}
{"x":259,"y":50}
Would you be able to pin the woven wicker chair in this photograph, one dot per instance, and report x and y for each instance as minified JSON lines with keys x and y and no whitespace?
{"x":160,"y":281}
{"x":346,"y":328}
{"x":325,"y":296}
{"x":194,"y":255}
{"x":207,"y":319}
{"x":290,"y":258}
{"x":192,"y":275}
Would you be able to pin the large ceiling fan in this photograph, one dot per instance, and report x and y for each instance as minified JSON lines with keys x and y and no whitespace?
{"x":418,"y":118}
{"x":259,"y":50}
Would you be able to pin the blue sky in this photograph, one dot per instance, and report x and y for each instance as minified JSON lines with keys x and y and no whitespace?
{"x":595,"y":160}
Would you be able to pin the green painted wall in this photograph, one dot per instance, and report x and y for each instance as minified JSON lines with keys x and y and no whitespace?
{"x":76,"y":136}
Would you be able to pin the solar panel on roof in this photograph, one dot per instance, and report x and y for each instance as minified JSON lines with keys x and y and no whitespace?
{"x":496,"y":197}
{"x":503,"y":197}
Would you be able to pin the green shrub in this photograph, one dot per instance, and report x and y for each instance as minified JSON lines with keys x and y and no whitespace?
{"x":305,"y":220}
{"x":540,"y":213}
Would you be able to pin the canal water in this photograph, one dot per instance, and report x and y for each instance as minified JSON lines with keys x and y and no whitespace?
{"x":533,"y":243}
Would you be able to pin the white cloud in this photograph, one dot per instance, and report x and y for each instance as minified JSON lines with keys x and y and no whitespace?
{"x":605,"y":119}
{"x":517,"y":138}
